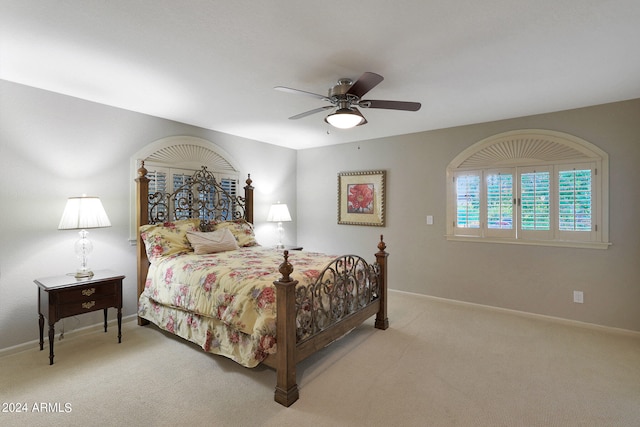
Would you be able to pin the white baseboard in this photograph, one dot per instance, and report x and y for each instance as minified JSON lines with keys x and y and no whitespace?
{"x":76,"y":332}
{"x":560,"y":320}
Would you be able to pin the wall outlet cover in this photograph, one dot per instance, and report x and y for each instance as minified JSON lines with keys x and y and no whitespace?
{"x":578,"y":297}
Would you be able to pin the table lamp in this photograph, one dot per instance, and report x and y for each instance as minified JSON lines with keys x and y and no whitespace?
{"x":82,"y":213}
{"x":279,"y":213}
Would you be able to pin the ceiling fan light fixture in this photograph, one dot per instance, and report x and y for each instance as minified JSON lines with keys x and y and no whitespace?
{"x":346,"y":96}
{"x":344,"y":118}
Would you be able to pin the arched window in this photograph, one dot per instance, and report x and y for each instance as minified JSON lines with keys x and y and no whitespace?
{"x":535,"y":187}
{"x":171,"y":161}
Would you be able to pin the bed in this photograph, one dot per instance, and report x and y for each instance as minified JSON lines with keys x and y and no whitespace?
{"x":203,"y":277}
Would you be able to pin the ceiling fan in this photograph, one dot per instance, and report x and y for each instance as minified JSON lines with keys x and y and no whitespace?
{"x":346,"y":97}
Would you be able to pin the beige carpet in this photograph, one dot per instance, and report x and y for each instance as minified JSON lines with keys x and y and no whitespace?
{"x":439,"y":364}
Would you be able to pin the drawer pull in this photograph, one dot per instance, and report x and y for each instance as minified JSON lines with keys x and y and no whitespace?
{"x":88,"y":292}
{"x":88,"y":305}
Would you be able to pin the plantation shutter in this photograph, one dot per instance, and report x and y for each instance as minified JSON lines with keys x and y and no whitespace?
{"x":499,"y":203}
{"x":535,"y":203}
{"x":576,"y":216}
{"x":574,"y":200}
{"x":157,"y":181}
{"x":467,"y":187}
{"x":230,"y":186}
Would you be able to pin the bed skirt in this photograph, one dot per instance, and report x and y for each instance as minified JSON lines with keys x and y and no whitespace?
{"x":209,"y":333}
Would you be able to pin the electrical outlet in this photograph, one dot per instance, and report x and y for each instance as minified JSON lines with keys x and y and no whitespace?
{"x":429,"y":219}
{"x":578,"y":297}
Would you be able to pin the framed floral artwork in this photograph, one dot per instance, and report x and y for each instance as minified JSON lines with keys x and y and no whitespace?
{"x":361,"y":198}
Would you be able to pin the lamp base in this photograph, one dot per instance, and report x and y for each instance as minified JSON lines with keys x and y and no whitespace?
{"x":83,"y":273}
{"x":83,"y":248}
{"x":280,"y":245}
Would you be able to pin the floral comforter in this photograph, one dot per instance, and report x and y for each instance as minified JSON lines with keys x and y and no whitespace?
{"x":224,"y":302}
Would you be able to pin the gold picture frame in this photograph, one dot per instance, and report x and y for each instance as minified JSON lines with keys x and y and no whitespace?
{"x":361,"y":198}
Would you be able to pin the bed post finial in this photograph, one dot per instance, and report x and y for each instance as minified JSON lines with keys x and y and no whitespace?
{"x":382,"y":246}
{"x":249,"y":181}
{"x":142,"y":171}
{"x":286,"y":268}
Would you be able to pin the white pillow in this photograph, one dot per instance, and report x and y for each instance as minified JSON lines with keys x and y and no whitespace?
{"x":212,"y":242}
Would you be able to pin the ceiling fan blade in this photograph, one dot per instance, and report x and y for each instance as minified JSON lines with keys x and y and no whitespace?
{"x":391,"y":105}
{"x":301,"y":92}
{"x":365,"y":83}
{"x":310,"y":112}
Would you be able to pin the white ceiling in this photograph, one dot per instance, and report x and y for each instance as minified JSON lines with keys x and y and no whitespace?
{"x":214,"y":63}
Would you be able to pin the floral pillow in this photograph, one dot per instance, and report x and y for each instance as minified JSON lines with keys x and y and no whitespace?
{"x":241,"y":230}
{"x":169,"y":238}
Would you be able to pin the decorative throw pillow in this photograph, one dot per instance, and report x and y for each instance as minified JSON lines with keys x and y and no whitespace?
{"x":169,"y":238}
{"x":212,"y":242}
{"x":241,"y":230}
{"x":208,"y":225}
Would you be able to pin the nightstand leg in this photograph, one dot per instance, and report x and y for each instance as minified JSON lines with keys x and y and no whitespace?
{"x":105,"y":320}
{"x":41,"y":324}
{"x":52,"y":333}
{"x":119,"y":325}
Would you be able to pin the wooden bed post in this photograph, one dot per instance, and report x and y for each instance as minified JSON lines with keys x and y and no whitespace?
{"x":142,"y":218}
{"x":248,"y":200}
{"x":286,"y":388}
{"x":382,"y":321}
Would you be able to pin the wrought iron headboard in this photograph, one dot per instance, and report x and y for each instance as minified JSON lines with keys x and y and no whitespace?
{"x":200,"y":196}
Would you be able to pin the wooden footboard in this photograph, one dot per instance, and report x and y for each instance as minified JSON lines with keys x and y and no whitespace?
{"x":347,"y":292}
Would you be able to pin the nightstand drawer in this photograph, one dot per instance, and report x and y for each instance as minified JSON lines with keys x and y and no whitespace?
{"x":66,"y":309}
{"x":87,"y":293}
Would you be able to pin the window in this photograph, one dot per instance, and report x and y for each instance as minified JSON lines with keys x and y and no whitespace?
{"x":529,"y":187}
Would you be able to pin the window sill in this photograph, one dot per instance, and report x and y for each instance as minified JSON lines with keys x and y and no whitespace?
{"x":555,"y":243}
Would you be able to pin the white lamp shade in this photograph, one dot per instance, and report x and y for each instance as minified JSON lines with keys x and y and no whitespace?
{"x":344,"y":118}
{"x":82,"y":213}
{"x":279,"y":213}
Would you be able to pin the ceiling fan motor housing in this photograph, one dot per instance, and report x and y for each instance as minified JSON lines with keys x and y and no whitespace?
{"x":338,"y":94}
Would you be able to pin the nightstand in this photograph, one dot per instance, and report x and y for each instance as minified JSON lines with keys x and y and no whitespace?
{"x":65,"y":296}
{"x":292,"y":248}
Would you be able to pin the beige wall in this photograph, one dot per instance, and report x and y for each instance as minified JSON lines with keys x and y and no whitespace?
{"x":532,"y":279}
